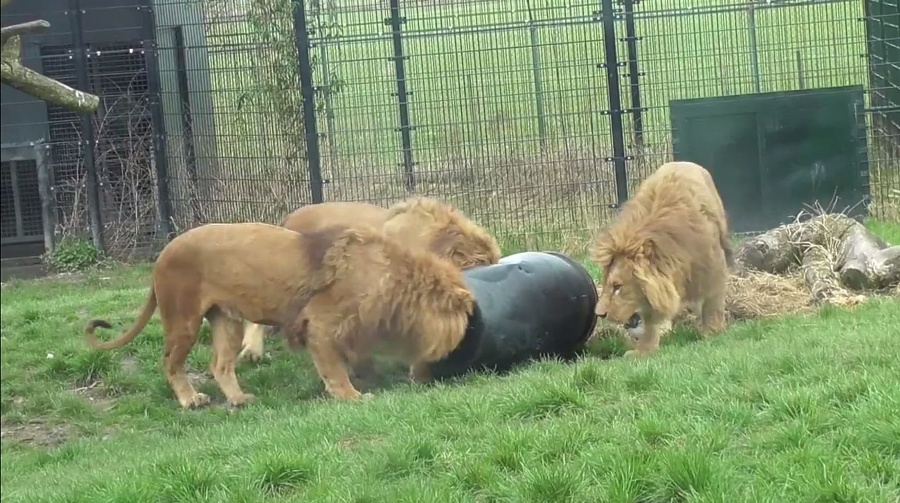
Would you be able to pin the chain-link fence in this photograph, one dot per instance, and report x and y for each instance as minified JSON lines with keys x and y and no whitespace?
{"x":535,"y":117}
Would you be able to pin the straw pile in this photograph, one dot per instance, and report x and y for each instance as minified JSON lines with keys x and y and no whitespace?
{"x":826,"y":259}
{"x":758,"y":294}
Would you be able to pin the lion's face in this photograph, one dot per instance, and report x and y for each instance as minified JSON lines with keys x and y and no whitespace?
{"x":621,"y":295}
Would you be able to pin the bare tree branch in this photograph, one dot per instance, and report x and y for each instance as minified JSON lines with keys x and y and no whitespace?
{"x":13,"y":74}
{"x":8,"y":32}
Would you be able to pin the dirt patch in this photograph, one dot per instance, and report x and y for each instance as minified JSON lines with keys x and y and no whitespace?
{"x":97,"y":395}
{"x":36,"y":432}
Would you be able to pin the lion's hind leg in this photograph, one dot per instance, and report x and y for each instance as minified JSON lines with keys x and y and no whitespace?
{"x":227,"y":333}
{"x":181,"y":335}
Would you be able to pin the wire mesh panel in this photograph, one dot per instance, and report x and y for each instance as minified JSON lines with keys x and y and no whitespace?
{"x":702,"y":48}
{"x":499,"y":108}
{"x":233,"y":110}
{"x":509,"y":109}
{"x":883,"y":34}
{"x":362,"y":149}
{"x":116,"y":142}
{"x":65,"y":143}
{"x":21,"y":220}
{"x":124,"y":146}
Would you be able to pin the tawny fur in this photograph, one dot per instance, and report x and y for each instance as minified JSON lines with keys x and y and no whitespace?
{"x":315,"y":217}
{"x":216,"y":271}
{"x":419,"y":222}
{"x":668,"y":247}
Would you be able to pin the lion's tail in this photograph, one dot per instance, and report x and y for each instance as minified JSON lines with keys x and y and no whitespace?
{"x":93,"y":342}
{"x":728,"y":249}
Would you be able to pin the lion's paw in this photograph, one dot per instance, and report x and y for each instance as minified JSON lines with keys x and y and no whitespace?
{"x":251,"y":352}
{"x":634,"y":353}
{"x":348,"y":395}
{"x":198,"y":401}
{"x":241,"y":400}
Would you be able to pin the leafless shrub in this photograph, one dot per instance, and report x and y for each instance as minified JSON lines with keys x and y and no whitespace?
{"x":126,"y":175}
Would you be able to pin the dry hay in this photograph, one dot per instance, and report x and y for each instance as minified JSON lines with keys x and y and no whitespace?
{"x":758,"y":294}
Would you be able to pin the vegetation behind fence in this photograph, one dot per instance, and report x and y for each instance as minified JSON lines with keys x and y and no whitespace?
{"x":506,"y":107}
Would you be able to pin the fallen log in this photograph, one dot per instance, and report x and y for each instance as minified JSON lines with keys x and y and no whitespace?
{"x":772,"y":252}
{"x":819,"y":275}
{"x":861,"y":260}
{"x":866,"y":262}
{"x":782,"y":248}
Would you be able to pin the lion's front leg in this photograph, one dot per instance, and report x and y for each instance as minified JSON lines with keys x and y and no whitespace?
{"x":648,"y":340}
{"x":323,"y":337}
{"x":712,"y":316}
{"x":420,"y":372}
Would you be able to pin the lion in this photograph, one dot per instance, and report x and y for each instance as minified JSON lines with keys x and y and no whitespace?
{"x":421,"y":222}
{"x":365,"y":290}
{"x":668,"y":248}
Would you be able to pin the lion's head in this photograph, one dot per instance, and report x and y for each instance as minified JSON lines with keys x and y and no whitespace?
{"x":637,"y":277}
{"x":444,"y":230}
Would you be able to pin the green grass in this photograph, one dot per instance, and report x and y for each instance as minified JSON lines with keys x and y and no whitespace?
{"x":802,"y":408}
{"x":474,"y":101}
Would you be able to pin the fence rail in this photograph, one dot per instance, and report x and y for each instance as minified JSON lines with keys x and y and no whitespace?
{"x":535,"y":117}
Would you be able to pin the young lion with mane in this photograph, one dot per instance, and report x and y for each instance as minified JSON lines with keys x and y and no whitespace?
{"x":418,"y":222}
{"x":667,"y":248}
{"x":357,"y":290}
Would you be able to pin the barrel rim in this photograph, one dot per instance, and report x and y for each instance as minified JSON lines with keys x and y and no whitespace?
{"x":595,"y":297}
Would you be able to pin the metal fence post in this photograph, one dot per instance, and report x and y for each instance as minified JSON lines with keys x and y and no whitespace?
{"x":79,"y":53}
{"x":754,"y":49}
{"x":160,"y":140}
{"x":538,"y":84}
{"x":611,"y":64}
{"x":634,"y":74}
{"x":396,"y":21}
{"x":327,"y":84}
{"x":304,"y":69}
{"x":48,"y":201}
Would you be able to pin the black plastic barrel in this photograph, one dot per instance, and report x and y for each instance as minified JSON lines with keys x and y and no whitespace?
{"x":531,"y":305}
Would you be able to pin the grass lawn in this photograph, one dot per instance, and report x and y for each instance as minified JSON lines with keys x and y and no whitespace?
{"x":802,"y":408}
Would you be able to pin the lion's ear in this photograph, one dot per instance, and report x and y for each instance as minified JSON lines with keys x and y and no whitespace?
{"x":601,"y":252}
{"x":444,"y":243}
{"x":647,"y":250}
{"x":657,"y":287}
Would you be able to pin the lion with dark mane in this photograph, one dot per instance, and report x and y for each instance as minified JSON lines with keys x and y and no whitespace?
{"x":668,"y":248}
{"x":357,"y":291}
{"x":422,"y":223}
